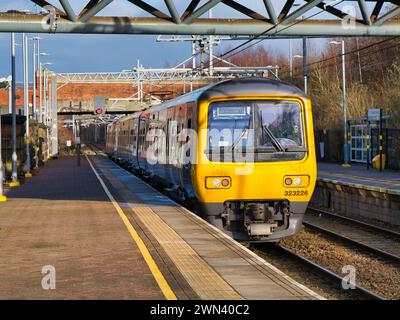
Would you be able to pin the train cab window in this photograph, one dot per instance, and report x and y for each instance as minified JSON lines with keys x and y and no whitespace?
{"x":230,"y":124}
{"x":280,"y":125}
{"x":269,"y":130}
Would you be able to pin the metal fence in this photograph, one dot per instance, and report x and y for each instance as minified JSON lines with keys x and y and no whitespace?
{"x":6,"y":150}
{"x":329,"y":145}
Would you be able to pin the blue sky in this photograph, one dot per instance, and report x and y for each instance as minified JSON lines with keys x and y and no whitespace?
{"x":90,"y":53}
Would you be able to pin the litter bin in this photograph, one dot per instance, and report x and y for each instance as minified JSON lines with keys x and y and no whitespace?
{"x":376,"y":162}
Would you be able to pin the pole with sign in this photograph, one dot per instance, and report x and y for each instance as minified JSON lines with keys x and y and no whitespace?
{"x":14,"y":175}
{"x":3,"y":85}
{"x":367,"y":141}
{"x":78,"y":138}
{"x":376,"y":115}
{"x":380,"y":140}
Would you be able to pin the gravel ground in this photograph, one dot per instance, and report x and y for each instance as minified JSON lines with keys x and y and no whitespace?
{"x":372,"y":272}
{"x":371,"y":237}
{"x":303,"y":273}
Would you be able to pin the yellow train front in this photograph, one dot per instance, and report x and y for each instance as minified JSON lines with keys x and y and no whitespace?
{"x":241,"y":151}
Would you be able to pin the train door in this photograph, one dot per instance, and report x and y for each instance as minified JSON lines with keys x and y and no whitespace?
{"x":178,"y":142}
{"x":116,"y":132}
{"x":142,"y":142}
{"x":171,"y":147}
{"x":163,"y":146}
{"x":188,"y":150}
{"x":124,"y":141}
{"x":131,"y":141}
{"x":135,"y":126}
{"x":152,"y":142}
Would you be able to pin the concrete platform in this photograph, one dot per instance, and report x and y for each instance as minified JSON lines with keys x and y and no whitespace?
{"x":387,"y":181}
{"x":111,"y":236}
{"x":359,"y":193}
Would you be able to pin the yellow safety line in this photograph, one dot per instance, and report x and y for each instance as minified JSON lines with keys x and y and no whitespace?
{"x":155,"y":270}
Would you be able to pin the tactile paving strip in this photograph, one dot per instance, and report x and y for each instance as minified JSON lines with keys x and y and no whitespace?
{"x":202,"y":278}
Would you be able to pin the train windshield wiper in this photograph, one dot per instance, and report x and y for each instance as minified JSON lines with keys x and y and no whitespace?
{"x":234,"y":144}
{"x":275,"y":141}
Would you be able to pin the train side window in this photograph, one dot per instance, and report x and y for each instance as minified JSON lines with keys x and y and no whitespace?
{"x":189,"y":126}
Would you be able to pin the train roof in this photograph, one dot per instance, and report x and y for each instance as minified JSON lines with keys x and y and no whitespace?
{"x":237,"y":86}
{"x":251,"y":86}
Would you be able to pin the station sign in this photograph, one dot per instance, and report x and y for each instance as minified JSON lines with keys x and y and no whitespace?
{"x":374,"y":114}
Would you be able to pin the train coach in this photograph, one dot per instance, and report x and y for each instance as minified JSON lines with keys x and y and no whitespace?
{"x":241,"y":151}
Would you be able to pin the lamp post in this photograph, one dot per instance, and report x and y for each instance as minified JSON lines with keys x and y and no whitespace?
{"x":290,"y":59}
{"x":14,"y":173}
{"x":26,"y":105}
{"x":4,"y":84}
{"x":34,"y":74}
{"x":45,"y":113}
{"x":290,"y":49}
{"x":35,"y":67}
{"x":305,"y":67}
{"x":304,"y":71}
{"x":346,"y":163}
{"x":10,"y":96}
{"x":39,"y":54}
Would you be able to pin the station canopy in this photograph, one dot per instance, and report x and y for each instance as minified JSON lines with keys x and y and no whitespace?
{"x":265,"y":18}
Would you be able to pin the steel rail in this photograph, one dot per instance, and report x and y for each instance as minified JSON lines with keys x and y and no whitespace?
{"x":335,"y":277}
{"x":357,"y":243}
{"x":365,"y":224}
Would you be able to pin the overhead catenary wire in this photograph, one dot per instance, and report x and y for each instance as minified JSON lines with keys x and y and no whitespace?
{"x":319,"y":62}
{"x":353,"y":51}
{"x":332,"y":57}
{"x":232,"y":52}
{"x":221,"y":56}
{"x":334,"y":3}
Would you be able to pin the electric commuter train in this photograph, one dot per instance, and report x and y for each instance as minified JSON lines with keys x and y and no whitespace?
{"x":241,"y":151}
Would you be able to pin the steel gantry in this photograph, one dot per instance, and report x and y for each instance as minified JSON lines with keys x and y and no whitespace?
{"x":267,"y":17}
{"x":156,"y":78}
{"x":171,"y":74}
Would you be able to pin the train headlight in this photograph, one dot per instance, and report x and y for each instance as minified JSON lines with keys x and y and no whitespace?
{"x":296,"y":181}
{"x":218,"y":182}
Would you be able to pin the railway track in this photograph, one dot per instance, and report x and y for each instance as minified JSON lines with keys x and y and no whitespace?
{"x":337,"y":279}
{"x":317,"y":275}
{"x":357,"y":293}
{"x":379,"y":241}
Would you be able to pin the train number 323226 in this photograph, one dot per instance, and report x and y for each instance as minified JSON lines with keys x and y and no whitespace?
{"x":292,"y":193}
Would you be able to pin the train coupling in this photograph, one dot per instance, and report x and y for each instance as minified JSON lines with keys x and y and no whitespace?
{"x":261,"y":229}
